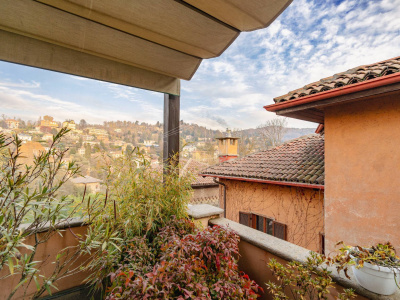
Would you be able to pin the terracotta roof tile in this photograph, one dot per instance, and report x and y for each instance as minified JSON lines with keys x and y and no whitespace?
{"x":194,"y":167}
{"x":300,"y":160}
{"x":352,"y":76}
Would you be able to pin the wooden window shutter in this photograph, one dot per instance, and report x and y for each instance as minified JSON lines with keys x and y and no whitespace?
{"x":279,"y":230}
{"x":245,"y":219}
{"x":260,"y":224}
{"x":322,"y":243}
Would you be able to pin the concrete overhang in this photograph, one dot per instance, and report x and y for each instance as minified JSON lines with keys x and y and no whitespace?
{"x":150,"y":44}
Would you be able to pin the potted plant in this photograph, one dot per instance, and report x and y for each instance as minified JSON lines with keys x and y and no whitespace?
{"x":376,"y":268}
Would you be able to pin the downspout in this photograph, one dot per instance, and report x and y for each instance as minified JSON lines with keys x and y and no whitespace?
{"x":224,"y":185}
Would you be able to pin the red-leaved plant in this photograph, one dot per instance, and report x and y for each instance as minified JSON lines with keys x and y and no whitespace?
{"x":182,"y":262}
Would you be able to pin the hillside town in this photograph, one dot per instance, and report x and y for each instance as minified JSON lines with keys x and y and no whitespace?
{"x":86,"y":141}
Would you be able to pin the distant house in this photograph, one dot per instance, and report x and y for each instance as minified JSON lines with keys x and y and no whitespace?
{"x":70,"y":124}
{"x":25,"y":137}
{"x":12,"y":124}
{"x":48,"y":121}
{"x":279,"y":191}
{"x":118,"y":130}
{"x":91,"y":143}
{"x":29,"y":151}
{"x":149,"y":143}
{"x":91,"y":183}
{"x":97,"y":131}
{"x":116,"y":154}
{"x":359,"y":113}
{"x":81,"y":151}
{"x":87,"y":137}
{"x":190,"y":148}
{"x":47,"y":137}
{"x":119,"y":143}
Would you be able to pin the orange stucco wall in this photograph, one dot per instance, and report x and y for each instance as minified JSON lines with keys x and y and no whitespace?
{"x":301,"y":209}
{"x":362,"y":172}
{"x":46,"y":253}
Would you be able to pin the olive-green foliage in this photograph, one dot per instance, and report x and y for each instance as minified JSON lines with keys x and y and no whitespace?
{"x":29,"y":202}
{"x":138,"y":202}
{"x":310,"y":280}
{"x":381,"y":254}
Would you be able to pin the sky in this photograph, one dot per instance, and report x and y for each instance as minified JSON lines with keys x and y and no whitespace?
{"x":310,"y":40}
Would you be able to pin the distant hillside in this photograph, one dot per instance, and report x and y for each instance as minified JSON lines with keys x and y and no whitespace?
{"x":293,"y":133}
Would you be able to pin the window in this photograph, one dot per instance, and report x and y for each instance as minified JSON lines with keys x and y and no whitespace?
{"x":264,"y":224}
{"x":232,"y":142}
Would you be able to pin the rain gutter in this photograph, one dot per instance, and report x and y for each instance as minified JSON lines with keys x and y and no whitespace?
{"x":287,"y":183}
{"x":224,"y":186}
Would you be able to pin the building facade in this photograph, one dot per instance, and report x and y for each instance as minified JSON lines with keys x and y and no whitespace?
{"x":360,"y":112}
{"x":279,"y":191}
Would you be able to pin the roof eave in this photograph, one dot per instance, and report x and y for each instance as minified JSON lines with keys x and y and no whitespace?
{"x":345,"y":90}
{"x":286,"y":183}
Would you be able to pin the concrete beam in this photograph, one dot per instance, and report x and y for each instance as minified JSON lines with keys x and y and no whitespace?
{"x":32,"y":52}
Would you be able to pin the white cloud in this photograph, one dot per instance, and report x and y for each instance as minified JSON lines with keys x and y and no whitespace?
{"x":311,"y":40}
{"x":20,"y":84}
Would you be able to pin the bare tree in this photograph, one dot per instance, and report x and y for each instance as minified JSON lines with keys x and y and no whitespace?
{"x":272,"y":132}
{"x":246,"y":144}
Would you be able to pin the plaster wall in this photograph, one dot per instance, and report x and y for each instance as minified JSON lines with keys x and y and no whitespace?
{"x":301,"y":209}
{"x":46,"y":253}
{"x":206,"y":195}
{"x":362,"y":177}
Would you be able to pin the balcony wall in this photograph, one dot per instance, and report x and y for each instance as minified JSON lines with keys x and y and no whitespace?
{"x":71,"y":287}
{"x":257,"y":248}
{"x":46,"y":253}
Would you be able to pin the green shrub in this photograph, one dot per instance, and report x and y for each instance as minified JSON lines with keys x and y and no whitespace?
{"x":310,"y":280}
{"x":139,"y":201}
{"x":29,"y":203}
{"x":182,"y":262}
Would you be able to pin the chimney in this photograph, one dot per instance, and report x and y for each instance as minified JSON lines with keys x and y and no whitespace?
{"x":227,"y":147}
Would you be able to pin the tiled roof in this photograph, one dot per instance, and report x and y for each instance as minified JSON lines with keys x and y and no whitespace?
{"x":194,"y":167}
{"x":299,"y":161}
{"x":352,"y":76}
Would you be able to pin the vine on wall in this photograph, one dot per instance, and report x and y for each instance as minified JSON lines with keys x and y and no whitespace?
{"x":301,"y":209}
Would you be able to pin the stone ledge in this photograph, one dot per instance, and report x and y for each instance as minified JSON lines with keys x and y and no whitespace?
{"x":292,"y":252}
{"x":199,"y":211}
{"x":62,"y":224}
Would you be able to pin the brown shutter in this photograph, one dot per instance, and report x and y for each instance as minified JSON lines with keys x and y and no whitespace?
{"x":245,"y":219}
{"x":260,"y":223}
{"x":279,"y":230}
{"x":322,"y":243}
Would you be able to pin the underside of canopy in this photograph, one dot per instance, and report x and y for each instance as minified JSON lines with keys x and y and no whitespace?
{"x":149,"y":44}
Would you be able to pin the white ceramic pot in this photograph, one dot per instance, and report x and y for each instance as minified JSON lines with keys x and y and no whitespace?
{"x":380,"y":280}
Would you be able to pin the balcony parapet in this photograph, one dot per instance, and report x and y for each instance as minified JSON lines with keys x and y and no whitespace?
{"x":257,"y":248}
{"x":202,"y":213}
